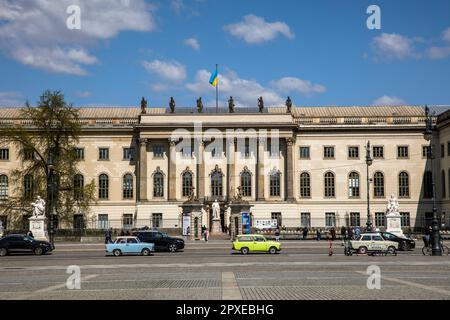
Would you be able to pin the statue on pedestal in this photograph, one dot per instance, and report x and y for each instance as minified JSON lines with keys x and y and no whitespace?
{"x":392,"y":206}
{"x":288,"y":105}
{"x":199,"y":105}
{"x":38,"y":207}
{"x":143,"y":106}
{"x":215,"y":209}
{"x":260,"y":104}
{"x":231,"y":105}
{"x":172,"y":105}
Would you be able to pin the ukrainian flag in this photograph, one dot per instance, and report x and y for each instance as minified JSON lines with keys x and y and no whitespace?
{"x":214,"y":78}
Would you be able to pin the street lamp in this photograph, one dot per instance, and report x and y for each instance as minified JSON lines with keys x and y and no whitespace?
{"x":369,"y":161}
{"x":435,"y":235}
{"x":51,"y":193}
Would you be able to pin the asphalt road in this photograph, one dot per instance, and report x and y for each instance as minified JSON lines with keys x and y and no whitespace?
{"x":303,"y":270}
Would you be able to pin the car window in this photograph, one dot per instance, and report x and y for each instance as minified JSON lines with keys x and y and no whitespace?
{"x":365,"y":238}
{"x":259,"y":239}
{"x":389,"y":236}
{"x":245,"y":239}
{"x":121,"y":241}
{"x":131,"y":240}
{"x":377,"y":238}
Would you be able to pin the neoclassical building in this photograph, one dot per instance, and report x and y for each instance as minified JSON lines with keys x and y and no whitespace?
{"x":306,"y":167}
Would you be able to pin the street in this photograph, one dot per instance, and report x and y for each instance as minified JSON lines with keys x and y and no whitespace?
{"x":210,"y":271}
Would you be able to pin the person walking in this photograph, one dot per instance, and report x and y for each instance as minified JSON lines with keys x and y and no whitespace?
{"x":277,"y":234}
{"x":206,"y":235}
{"x":333,"y":234}
{"x":305,"y":233}
{"x":203,"y":232}
{"x":343,"y":233}
{"x":350,"y":233}
{"x":318,"y":235}
{"x":108,"y":234}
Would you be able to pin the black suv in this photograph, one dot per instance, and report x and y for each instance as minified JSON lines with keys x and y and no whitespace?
{"x":404,"y":244}
{"x":20,"y":243}
{"x":161,"y":240}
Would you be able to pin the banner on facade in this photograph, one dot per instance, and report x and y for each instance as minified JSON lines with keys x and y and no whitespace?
{"x":186,"y":225}
{"x":246,"y":223}
{"x":266,"y":224}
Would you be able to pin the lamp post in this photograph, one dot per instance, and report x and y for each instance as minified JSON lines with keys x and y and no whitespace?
{"x":51,"y":193}
{"x":435,"y":235}
{"x":369,"y":161}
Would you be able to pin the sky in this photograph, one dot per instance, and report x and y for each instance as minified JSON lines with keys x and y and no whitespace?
{"x":317,"y":52}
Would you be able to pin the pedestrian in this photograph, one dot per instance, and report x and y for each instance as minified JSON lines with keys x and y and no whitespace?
{"x":277,"y":234}
{"x":30,"y":234}
{"x":108,"y":235}
{"x":426,"y":237}
{"x":349,"y":233}
{"x":305,"y":232}
{"x":203,"y":232}
{"x":357,"y":231}
{"x":122,"y":233}
{"x":343,"y":233}
{"x":318,"y":235}
{"x":206,"y":235}
{"x":128,"y":233}
{"x":333,"y":234}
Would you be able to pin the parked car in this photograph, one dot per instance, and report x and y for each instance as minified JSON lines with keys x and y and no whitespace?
{"x":404,"y":244}
{"x":369,"y":243}
{"x":162,"y":241}
{"x":21,"y":243}
{"x":255,"y":243}
{"x":129,"y":245}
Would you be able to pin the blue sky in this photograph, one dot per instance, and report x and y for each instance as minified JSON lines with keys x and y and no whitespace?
{"x":317,"y":52}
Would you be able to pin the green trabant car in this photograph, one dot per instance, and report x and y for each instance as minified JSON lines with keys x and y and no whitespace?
{"x":255,"y":243}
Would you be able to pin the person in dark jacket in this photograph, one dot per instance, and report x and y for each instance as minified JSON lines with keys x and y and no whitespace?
{"x":318,"y":235}
{"x":343,"y":233}
{"x":108,"y":234}
{"x":277,"y":234}
{"x":333,"y":234}
{"x":305,"y":233}
{"x":30,"y":234}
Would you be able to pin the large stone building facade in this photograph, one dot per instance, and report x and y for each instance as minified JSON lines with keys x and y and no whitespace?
{"x":306,"y":167}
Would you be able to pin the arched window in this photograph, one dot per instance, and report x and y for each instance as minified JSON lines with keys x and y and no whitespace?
{"x":428,"y":184}
{"x":353,"y":184}
{"x":103,"y":186}
{"x":28,"y":187}
{"x":378,"y":184}
{"x":305,"y":185}
{"x":329,"y":185}
{"x":246,"y":183}
{"x":186,"y":180}
{"x":158,"y":184}
{"x":403,"y":184}
{"x":78,"y":185}
{"x":275,"y":184}
{"x":3,"y":187}
{"x":443,"y":184}
{"x":216,"y":183}
{"x":127,"y":186}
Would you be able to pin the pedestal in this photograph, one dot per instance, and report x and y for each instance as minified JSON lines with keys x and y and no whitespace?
{"x":38,"y":227}
{"x":394,"y":225}
{"x":216,"y":227}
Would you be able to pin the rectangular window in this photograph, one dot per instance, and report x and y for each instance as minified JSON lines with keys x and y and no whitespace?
{"x":426,"y":152}
{"x":4,"y":154}
{"x":158,"y":151}
{"x":402,"y":152}
{"x":378,"y":152}
{"x":448,"y":148}
{"x":157,"y":221}
{"x":330,"y":219}
{"x":186,"y":152}
{"x":127,"y":221}
{"x":305,"y":219}
{"x":128,"y":153}
{"x":28,"y":154}
{"x":353,"y":152}
{"x":305,"y":153}
{"x":247,"y":148}
{"x":405,"y":219}
{"x":103,"y":154}
{"x":78,"y":221}
{"x":355,"y":219}
{"x":273,"y":148}
{"x":379,"y":219}
{"x":79,"y":152}
{"x":442,"y":150}
{"x":328,"y":152}
{"x":103,"y":223}
{"x":277,"y":216}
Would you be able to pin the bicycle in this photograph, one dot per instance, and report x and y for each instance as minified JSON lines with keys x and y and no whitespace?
{"x":427,"y":250}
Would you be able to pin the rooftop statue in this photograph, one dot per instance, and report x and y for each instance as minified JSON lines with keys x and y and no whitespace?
{"x":199,"y":105}
{"x":172,"y":105}
{"x":231,"y":105}
{"x":143,"y":106}
{"x":288,"y":105}
{"x":260,"y":104}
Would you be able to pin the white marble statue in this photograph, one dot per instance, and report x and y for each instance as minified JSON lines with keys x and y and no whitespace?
{"x":38,"y":207}
{"x":392,"y":206}
{"x":215,"y":209}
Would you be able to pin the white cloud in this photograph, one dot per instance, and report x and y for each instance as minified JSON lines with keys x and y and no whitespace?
{"x":83,"y":94}
{"x":441,"y":52}
{"x":168,"y":70}
{"x":254,"y":29}
{"x":177,"y":5}
{"x":388,"y":101}
{"x":193,"y":43}
{"x":11,"y":99}
{"x":393,"y":46}
{"x":35,"y":32}
{"x":291,"y":84}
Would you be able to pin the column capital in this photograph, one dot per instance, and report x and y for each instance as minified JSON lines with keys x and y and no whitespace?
{"x":290,"y":141}
{"x":262,"y":139}
{"x":172,"y":142}
{"x":142,"y":141}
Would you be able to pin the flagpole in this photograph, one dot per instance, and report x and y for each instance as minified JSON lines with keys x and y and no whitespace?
{"x":217,"y":90}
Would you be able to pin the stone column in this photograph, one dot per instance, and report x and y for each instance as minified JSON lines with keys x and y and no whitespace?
{"x":290,"y":169}
{"x":142,"y":169}
{"x":172,"y":176}
{"x":260,"y":169}
{"x":201,"y":170}
{"x":231,"y":167}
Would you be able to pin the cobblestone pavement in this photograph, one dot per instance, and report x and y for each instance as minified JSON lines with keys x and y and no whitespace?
{"x":301,"y":271}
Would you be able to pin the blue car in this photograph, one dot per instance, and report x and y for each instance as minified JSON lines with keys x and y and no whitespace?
{"x":129,"y":245}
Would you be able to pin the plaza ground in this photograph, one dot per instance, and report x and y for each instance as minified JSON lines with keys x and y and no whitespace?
{"x":210,"y":271}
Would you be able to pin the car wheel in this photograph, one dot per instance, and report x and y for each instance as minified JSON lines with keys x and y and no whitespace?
{"x":145,"y":252}
{"x":404,"y":246}
{"x":38,"y":251}
{"x":272,"y":250}
{"x":362,"y":250}
{"x":117,"y":252}
{"x":172,"y":247}
{"x":244,"y":250}
{"x":3,"y":252}
{"x":391,"y":250}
